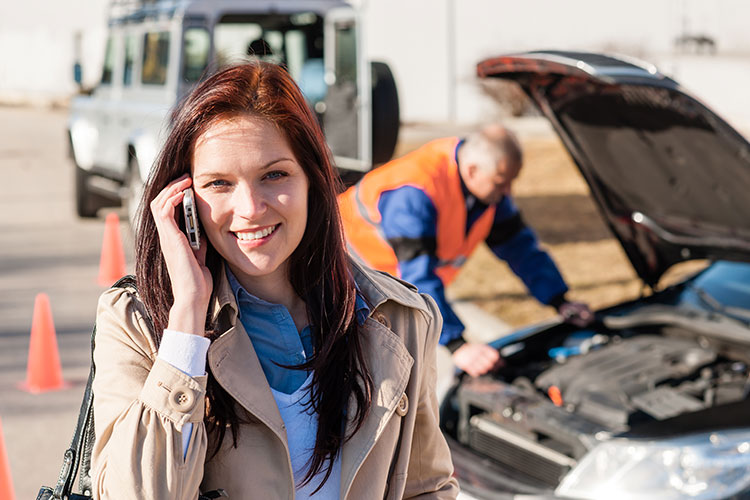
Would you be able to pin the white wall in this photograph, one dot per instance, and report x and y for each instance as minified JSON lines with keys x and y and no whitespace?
{"x":432,"y":46}
{"x":436,"y":78}
{"x":410,"y":36}
{"x":37,"y":47}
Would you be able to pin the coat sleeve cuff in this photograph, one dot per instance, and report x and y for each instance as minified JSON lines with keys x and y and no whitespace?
{"x":174,"y":394}
{"x":557,"y":300}
{"x":184,"y":351}
{"x":455,"y":344}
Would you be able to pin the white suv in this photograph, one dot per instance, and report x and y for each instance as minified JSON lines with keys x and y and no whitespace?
{"x":157,"y":50}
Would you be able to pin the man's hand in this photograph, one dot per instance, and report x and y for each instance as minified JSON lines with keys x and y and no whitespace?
{"x":576,"y":313}
{"x":477,"y":359}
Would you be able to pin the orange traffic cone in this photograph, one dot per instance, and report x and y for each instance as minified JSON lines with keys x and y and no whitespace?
{"x":112,"y":263}
{"x":6,"y":483}
{"x":43,"y":372}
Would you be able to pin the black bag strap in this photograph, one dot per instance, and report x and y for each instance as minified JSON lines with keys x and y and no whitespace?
{"x":78,"y":455}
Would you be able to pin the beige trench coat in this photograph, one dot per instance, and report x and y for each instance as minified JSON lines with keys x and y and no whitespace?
{"x":141,"y":404}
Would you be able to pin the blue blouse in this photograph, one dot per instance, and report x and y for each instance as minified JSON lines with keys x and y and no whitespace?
{"x":276,"y":339}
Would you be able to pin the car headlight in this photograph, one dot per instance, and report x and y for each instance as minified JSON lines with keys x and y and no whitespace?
{"x":701,"y":466}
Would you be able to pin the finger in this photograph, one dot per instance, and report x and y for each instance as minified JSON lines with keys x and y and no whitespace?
{"x":166,"y":224}
{"x":483,"y":365}
{"x":487,"y":363}
{"x":581,"y":322}
{"x":463,"y":365}
{"x":481,"y":369}
{"x":583,"y":315}
{"x":200,"y":254}
{"x":499,"y":363}
{"x":490,"y":354}
{"x":166,"y":200}
{"x":491,"y":360}
{"x":166,"y":210}
{"x":179,"y":184}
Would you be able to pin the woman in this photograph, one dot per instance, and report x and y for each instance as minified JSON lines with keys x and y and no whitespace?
{"x":319,"y":379}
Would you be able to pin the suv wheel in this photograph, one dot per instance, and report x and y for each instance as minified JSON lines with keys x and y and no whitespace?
{"x":385,"y":112}
{"x":85,"y":203}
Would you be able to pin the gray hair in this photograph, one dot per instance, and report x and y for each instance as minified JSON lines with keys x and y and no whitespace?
{"x":489,"y":147}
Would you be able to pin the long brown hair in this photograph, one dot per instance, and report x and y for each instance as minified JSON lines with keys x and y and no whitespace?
{"x":319,"y":269}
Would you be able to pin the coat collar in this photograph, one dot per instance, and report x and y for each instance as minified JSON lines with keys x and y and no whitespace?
{"x":235,"y":365}
{"x":223,"y":298}
{"x":376,"y":287}
{"x":379,"y":287}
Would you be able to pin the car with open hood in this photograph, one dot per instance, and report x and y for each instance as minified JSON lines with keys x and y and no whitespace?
{"x":651,"y":400}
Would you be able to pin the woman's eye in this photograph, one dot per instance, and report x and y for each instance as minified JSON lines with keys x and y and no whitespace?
{"x":276,"y":174}
{"x":217,"y":183}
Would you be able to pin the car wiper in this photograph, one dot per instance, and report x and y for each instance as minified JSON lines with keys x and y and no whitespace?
{"x":681,"y":239}
{"x":715,"y":306}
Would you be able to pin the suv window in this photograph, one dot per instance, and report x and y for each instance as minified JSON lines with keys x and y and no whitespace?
{"x":127,"y":70}
{"x":236,"y":40}
{"x":109,"y":61}
{"x":346,"y":53}
{"x":155,"y":58}
{"x":196,"y":43}
{"x":294,"y":40}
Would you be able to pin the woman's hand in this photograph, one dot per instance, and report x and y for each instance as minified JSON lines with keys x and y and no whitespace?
{"x":191,"y":279}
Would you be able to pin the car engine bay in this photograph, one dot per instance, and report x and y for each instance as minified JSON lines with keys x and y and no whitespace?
{"x":563,"y":391}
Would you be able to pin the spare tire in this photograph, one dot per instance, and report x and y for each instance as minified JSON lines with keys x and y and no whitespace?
{"x":385,"y":112}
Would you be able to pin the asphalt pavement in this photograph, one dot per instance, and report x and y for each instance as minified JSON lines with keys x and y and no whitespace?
{"x":44,"y":247}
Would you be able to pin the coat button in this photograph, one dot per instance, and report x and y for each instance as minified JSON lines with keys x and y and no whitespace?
{"x":182,"y":398}
{"x":380,"y":318}
{"x":403,"y":405}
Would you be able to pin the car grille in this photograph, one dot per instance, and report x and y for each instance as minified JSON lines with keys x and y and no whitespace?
{"x":517,"y":452}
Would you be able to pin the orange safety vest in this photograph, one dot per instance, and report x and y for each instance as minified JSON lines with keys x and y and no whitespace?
{"x":432,"y":169}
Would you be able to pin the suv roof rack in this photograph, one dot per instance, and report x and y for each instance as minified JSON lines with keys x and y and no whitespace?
{"x":124,"y":9}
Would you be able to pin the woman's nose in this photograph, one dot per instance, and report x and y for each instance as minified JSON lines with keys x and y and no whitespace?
{"x":250,"y":203}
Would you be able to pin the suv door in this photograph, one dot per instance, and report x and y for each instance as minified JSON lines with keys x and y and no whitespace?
{"x":105,"y":96}
{"x":347,"y":104}
{"x":196,"y":50}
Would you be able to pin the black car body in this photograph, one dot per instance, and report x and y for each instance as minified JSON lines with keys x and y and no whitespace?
{"x":650,"y":401}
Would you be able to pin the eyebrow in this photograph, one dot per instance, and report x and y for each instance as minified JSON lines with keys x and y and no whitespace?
{"x":262,"y":168}
{"x":274,"y":162}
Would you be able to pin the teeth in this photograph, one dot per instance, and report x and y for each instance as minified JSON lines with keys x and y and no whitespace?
{"x":249,"y":236}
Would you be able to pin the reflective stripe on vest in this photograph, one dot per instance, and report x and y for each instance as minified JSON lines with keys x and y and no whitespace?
{"x":456,"y":262}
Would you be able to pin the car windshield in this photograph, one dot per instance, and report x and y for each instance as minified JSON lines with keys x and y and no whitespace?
{"x":723,"y":287}
{"x":294,"y":40}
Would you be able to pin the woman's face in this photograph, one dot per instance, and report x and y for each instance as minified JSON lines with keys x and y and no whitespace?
{"x":251,"y":195}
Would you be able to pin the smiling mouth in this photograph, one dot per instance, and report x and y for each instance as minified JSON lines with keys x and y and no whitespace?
{"x":256,"y":235}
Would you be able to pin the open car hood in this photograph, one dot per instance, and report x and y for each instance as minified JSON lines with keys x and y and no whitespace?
{"x":671,"y":178}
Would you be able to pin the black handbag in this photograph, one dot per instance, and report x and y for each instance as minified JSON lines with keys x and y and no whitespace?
{"x":77,"y":458}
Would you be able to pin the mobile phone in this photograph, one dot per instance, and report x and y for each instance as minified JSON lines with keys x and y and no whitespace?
{"x":191,"y":219}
